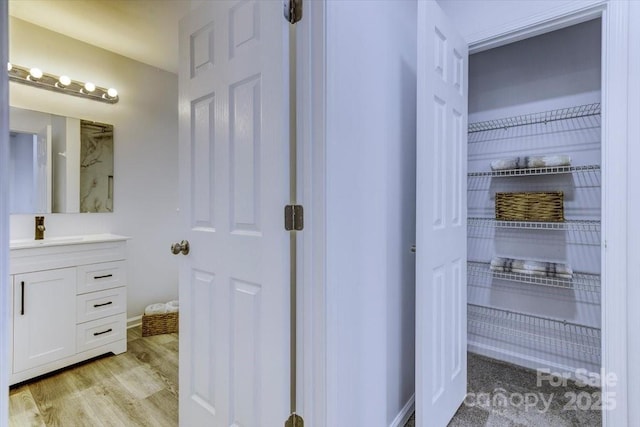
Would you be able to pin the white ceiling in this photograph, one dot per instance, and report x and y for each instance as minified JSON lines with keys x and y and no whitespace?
{"x":144,"y":30}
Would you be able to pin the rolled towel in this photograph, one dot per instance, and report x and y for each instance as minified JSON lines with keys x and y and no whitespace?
{"x":498,"y":262}
{"x":172,"y":306}
{"x":501,"y":264}
{"x":504,"y":164}
{"x":551,"y":269}
{"x":530,"y":272}
{"x":534,"y":268}
{"x":158,"y":308}
{"x":530,"y":162}
{"x":529,"y":265}
{"x":547,"y":161}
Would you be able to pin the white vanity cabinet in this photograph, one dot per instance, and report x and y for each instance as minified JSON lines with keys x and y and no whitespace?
{"x":44,"y":317}
{"x":69,"y":302}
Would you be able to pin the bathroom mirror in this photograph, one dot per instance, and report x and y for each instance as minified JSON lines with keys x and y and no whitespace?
{"x":59,"y":164}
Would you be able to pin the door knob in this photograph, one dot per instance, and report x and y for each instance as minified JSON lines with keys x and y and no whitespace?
{"x":183,"y":247}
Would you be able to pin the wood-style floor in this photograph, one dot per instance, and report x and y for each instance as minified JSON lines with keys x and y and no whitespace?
{"x":136,"y":388}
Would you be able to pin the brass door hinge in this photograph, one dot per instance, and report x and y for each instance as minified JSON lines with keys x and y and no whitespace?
{"x":293,"y":218}
{"x":294,"y":420}
{"x":292,"y":10}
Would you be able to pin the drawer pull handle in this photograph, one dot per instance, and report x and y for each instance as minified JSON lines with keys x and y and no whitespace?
{"x":103,"y":304}
{"x":102,"y":277}
{"x":103,"y":332}
{"x":22,"y":299}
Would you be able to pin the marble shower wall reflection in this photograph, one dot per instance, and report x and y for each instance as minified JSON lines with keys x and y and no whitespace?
{"x":96,"y":167}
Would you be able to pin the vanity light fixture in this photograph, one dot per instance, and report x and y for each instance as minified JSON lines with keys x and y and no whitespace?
{"x":63,"y":81}
{"x":35,"y":74}
{"x":111,"y":94}
{"x":63,"y":84}
{"x":89,"y":87}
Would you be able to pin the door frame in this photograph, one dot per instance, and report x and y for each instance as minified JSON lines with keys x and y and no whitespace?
{"x":5,"y":290}
{"x":317,"y":367}
{"x":319,"y":328}
{"x":614,"y":145}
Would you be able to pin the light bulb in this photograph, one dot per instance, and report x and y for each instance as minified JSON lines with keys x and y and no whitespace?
{"x":9,"y":66}
{"x":64,"y":81}
{"x":112,"y":93}
{"x":89,"y":87}
{"x":35,"y":73}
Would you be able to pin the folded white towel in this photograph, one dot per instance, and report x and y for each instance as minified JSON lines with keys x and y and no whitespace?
{"x":158,"y":308}
{"x":530,"y":162}
{"x":172,"y":306}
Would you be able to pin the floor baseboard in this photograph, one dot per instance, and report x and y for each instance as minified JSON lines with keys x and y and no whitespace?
{"x":132,"y":322}
{"x":405,"y":413}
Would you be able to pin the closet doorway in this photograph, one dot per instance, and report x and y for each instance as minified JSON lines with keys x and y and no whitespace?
{"x":515,"y":310}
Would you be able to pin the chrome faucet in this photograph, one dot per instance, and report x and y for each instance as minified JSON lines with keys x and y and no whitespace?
{"x":40,"y":228}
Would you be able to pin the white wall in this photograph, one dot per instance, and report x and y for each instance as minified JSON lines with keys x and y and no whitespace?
{"x":146,"y":149}
{"x":553,"y":70}
{"x":476,"y":17}
{"x":370,"y":202}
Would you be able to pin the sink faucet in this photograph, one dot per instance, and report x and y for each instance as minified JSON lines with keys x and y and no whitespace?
{"x":40,"y":228}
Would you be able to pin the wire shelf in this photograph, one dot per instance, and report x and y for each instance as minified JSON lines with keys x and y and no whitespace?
{"x":553,"y":170}
{"x":534,"y":118}
{"x":569,"y":225}
{"x":546,"y":333}
{"x":581,"y":281}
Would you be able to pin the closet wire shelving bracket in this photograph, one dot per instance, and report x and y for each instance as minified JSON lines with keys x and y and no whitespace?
{"x":545,"y":332}
{"x":551,"y":170}
{"x":535,"y":118}
{"x":580,"y":281}
{"x":568,"y":225}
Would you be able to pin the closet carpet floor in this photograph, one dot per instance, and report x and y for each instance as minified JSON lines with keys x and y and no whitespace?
{"x":136,"y":388}
{"x":488,"y":378}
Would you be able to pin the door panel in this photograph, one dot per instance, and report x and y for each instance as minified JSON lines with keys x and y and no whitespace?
{"x":202,"y":164}
{"x":244,"y":140}
{"x":234,"y":182}
{"x":441,"y":333}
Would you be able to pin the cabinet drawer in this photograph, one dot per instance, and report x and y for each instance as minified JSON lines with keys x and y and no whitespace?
{"x":106,"y":275}
{"x":97,"y":305}
{"x":99,"y":332}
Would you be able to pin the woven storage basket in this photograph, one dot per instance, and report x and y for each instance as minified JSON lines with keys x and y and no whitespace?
{"x":530,"y":206}
{"x":154,"y":324}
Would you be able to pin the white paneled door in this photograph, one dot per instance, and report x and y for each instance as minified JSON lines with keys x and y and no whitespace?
{"x":441,"y":272}
{"x":234,"y":184}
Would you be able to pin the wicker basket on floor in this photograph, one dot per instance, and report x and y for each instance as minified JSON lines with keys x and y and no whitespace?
{"x":530,"y":206}
{"x":155,"y":324}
